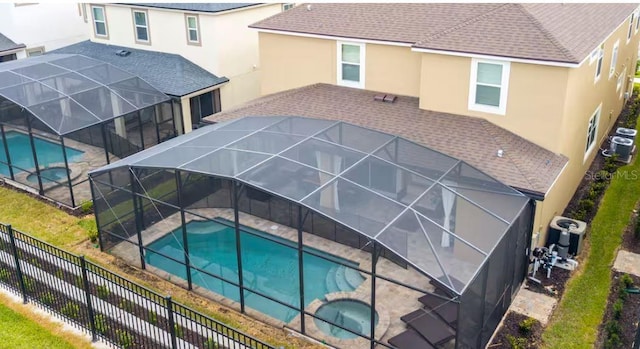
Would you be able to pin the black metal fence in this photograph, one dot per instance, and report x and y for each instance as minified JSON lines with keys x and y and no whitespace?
{"x":105,"y":304}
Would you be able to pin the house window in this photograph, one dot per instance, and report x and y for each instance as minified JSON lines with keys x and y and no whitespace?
{"x":488,"y":86}
{"x":614,"y":59}
{"x":600,"y":59}
{"x":204,"y":105}
{"x":592,"y":132}
{"x":141,"y":26}
{"x":630,"y":31}
{"x":287,"y":6}
{"x":637,"y":21}
{"x":351,"y":64}
{"x":9,"y":57}
{"x":99,"y":21}
{"x":193,"y":33}
{"x":36,"y":51}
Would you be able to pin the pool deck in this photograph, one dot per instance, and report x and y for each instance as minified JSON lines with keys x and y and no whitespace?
{"x":392,"y":301}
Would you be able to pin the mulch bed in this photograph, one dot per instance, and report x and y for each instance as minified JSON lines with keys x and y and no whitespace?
{"x":511,"y":326}
{"x":629,"y":241}
{"x":628,"y":320}
{"x":553,"y":286}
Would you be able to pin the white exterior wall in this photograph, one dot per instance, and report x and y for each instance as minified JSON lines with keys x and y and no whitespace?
{"x":52,"y":25}
{"x":228,"y":47}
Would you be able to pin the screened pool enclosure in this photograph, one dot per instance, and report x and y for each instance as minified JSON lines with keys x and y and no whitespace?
{"x":354,"y":237}
{"x":62,"y":115}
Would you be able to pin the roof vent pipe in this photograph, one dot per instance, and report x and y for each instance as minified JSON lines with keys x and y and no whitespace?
{"x":309,"y":7}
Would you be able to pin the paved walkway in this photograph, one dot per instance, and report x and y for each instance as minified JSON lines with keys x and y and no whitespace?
{"x":533,"y":304}
{"x":627,"y":262}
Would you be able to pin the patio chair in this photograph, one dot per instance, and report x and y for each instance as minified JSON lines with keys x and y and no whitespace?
{"x":410,"y":339}
{"x":447,"y":310}
{"x":429,"y":326}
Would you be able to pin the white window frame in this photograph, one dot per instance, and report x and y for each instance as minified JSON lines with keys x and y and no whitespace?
{"x":349,"y":83}
{"x":599,"y":62}
{"x":501,"y":109}
{"x":614,"y":58}
{"x":594,"y":55}
{"x":136,"y":26}
{"x":637,"y":21}
{"x":197,"y":29}
{"x":31,"y":51}
{"x":592,"y":126}
{"x":288,"y":6}
{"x":621,"y":78}
{"x":630,"y":31}
{"x":93,"y":18}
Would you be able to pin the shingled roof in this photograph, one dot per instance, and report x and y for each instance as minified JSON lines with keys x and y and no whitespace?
{"x":524,"y":165}
{"x":556,"y":32}
{"x":7,"y":44}
{"x":170,"y":73}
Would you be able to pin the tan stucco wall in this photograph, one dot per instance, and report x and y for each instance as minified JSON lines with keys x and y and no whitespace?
{"x":289,"y":62}
{"x":292,"y":61}
{"x":535,"y":99}
{"x":228,"y":47}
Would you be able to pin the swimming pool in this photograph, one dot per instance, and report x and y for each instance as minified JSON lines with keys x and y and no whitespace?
{"x":268,"y":266}
{"x":22,"y":157}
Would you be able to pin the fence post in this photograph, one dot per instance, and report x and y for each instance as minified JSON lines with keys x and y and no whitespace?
{"x":87,"y":292}
{"x":16,"y":259}
{"x":172,"y":324}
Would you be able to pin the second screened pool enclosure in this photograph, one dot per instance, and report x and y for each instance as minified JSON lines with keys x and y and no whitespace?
{"x":349,"y":235}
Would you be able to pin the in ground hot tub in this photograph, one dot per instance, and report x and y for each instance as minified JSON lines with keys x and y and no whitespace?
{"x":348,"y":313}
{"x":50,"y":175}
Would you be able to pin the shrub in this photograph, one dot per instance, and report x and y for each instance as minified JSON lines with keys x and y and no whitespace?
{"x":592,"y":194}
{"x":579,"y":214}
{"x":4,"y":275}
{"x":599,"y":186}
{"x":29,"y":284}
{"x":613,"y":327}
{"x":125,"y":339}
{"x":70,"y":310}
{"x":516,"y":342}
{"x":622,"y":293}
{"x":101,"y":324}
{"x":526,"y":326}
{"x":617,"y":309}
{"x":211,"y":344}
{"x":610,"y":164}
{"x":586,"y":205}
{"x":602,"y":176}
{"x":153,"y":317}
{"x":126,"y":305}
{"x":48,"y":298}
{"x":179,"y":331}
{"x":86,"y":206}
{"x":89,"y":225}
{"x":613,"y":342}
{"x":103,"y":291}
{"x":626,"y":281}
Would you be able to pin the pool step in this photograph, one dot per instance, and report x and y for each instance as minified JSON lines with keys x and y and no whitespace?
{"x":330,"y":280}
{"x":353,"y":277}
{"x":341,"y":280}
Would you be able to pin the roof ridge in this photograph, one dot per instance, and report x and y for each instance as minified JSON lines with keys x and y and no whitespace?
{"x":485,"y":123}
{"x":464,"y":23}
{"x":546,"y":32}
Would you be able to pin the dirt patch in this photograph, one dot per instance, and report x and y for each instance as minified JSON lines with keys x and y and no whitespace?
{"x":511,"y":331}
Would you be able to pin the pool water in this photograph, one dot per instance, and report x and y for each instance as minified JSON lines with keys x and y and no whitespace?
{"x":351,"y":314}
{"x":50,"y":175}
{"x":22,"y":157}
{"x":268,"y":267}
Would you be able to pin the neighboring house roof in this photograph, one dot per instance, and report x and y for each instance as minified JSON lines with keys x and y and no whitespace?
{"x":7,"y":44}
{"x":172,"y":74}
{"x":195,"y":7}
{"x":524,"y":165}
{"x":555,"y":32}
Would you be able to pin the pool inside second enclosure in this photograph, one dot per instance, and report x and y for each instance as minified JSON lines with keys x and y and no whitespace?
{"x":269,"y":266}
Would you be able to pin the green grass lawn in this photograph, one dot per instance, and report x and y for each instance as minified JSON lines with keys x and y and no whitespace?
{"x":40,"y":219}
{"x":17,"y":331}
{"x":576,"y":320}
